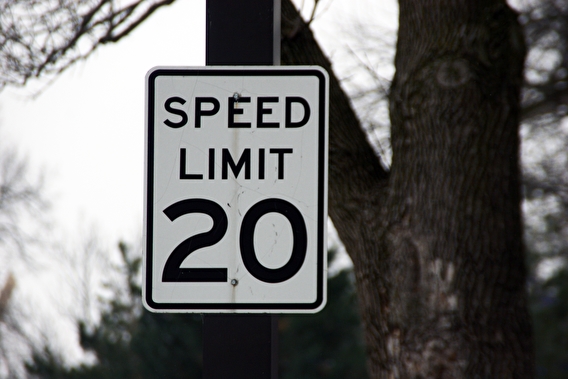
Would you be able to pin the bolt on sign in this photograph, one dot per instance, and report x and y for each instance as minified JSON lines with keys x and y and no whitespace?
{"x":236,"y":189}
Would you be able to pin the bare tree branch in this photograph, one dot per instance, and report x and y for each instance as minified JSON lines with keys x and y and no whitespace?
{"x":45,"y":37}
{"x":6,"y":294}
{"x":19,"y":198}
{"x":546,"y":71}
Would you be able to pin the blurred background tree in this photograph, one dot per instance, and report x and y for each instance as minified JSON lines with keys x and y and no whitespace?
{"x":22,"y":230}
{"x":131,"y":343}
{"x":545,"y":178}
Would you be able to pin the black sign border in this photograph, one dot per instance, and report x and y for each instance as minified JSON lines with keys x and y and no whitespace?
{"x":149,"y":195}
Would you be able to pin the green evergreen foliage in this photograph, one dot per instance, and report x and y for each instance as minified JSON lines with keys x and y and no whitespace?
{"x":550,"y":316}
{"x":132,"y":343}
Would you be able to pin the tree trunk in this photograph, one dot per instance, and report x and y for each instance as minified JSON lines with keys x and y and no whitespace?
{"x":436,"y":242}
{"x":457,"y":276}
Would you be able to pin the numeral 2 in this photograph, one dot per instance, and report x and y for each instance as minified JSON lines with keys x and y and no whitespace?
{"x":172,"y":271}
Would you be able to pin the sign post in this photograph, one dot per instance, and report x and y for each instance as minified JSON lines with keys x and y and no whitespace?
{"x":241,"y":33}
{"x":236,"y":189}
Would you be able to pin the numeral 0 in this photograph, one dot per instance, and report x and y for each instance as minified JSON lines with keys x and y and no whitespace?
{"x":174,"y":273}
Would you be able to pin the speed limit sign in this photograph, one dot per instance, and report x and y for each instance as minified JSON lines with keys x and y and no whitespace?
{"x":236,"y":189}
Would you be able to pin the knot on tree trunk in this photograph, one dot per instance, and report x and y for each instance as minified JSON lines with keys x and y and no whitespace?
{"x":453,"y":72}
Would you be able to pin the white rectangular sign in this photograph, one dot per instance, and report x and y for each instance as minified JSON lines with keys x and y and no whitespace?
{"x":236,"y":189}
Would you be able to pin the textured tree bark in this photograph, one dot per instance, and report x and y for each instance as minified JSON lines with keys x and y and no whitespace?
{"x":436,"y":242}
{"x":457,"y":276}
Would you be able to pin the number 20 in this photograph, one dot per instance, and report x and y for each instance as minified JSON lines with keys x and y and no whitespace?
{"x":174,"y":273}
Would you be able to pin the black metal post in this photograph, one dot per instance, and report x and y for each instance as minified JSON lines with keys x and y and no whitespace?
{"x":240,"y":346}
{"x":243,"y":32}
